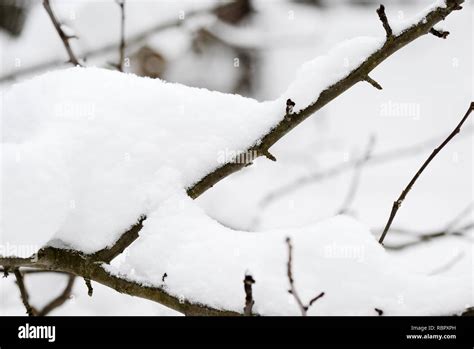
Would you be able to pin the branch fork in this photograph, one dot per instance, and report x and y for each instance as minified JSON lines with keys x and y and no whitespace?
{"x":64,"y":37}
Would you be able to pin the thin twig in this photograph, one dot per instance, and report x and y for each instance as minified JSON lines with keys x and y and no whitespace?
{"x":373,"y":83}
{"x":249,"y":302}
{"x":383,"y":18}
{"x":316,"y":298}
{"x":451,"y":263}
{"x":374,"y":159}
{"x":455,"y":221}
{"x":90,"y":290}
{"x":119,"y":65}
{"x":64,"y":38}
{"x":399,"y":201}
{"x":439,"y":33}
{"x":303,"y":308}
{"x":24,"y":293}
{"x":426,"y":237}
{"x":61,"y":299}
{"x":350,"y":196}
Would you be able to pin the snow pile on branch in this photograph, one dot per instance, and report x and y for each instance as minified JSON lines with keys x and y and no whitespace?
{"x":401,"y":24}
{"x":206,"y":263}
{"x":83,"y":149}
{"x":322,"y":72}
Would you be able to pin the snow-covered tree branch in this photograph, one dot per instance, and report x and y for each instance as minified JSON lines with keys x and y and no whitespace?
{"x":100,"y":170}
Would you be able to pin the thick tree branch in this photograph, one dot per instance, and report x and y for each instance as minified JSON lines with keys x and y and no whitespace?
{"x":64,"y":37}
{"x":86,"y":266}
{"x":361,"y":73}
{"x":399,"y":201}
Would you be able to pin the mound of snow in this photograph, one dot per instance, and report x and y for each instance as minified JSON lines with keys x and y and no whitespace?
{"x":206,"y":263}
{"x":83,"y":148}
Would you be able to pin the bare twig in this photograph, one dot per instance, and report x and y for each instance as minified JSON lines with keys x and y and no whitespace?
{"x":292,"y":290}
{"x":315,"y":299}
{"x":373,"y":83}
{"x":356,"y":177}
{"x":426,"y":237}
{"x":464,"y":213}
{"x":439,"y":33}
{"x":249,"y":302}
{"x":448,"y":265}
{"x":61,"y":299}
{"x":64,"y":37}
{"x":24,"y":293}
{"x":289,"y":106}
{"x":119,"y":65}
{"x":90,"y":290}
{"x":383,"y":18}
{"x":399,"y":201}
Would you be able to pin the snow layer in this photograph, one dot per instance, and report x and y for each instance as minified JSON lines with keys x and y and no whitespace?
{"x":314,"y":76}
{"x":400,"y":25}
{"x":206,"y":263}
{"x":88,"y":147}
{"x":83,"y":150}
